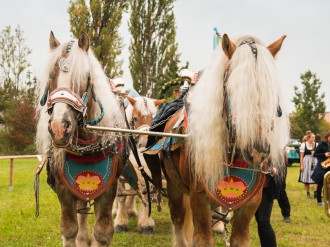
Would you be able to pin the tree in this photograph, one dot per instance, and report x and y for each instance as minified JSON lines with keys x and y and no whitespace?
{"x":153,"y":57}
{"x":309,"y":104}
{"x":17,"y":93}
{"x":13,"y":57}
{"x":21,"y":127}
{"x":101,"y":20}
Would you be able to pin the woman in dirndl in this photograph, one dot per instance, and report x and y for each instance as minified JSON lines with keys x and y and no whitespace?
{"x":308,"y":163}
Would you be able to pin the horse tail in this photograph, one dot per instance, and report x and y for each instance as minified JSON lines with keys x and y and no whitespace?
{"x":188,"y":226}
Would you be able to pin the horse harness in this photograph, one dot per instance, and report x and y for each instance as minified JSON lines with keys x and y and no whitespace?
{"x":69,"y":97}
{"x":80,"y":148}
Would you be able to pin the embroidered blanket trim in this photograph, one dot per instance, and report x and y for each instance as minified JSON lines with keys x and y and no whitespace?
{"x":89,"y":180}
{"x":169,"y":143}
{"x":237,"y":187}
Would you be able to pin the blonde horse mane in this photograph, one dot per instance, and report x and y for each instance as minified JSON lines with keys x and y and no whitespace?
{"x":254,"y":91}
{"x":82,"y":64}
{"x":140,"y":106}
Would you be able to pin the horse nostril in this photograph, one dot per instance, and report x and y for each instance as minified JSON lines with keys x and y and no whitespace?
{"x":67,"y":124}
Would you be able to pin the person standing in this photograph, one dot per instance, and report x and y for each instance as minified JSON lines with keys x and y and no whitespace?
{"x":322,"y":152}
{"x":283,"y":200}
{"x":307,"y":163}
{"x":271,"y":191}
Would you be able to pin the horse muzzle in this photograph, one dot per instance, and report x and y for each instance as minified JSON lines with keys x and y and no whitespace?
{"x":61,"y":132}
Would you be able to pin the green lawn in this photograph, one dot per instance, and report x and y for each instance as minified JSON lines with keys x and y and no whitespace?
{"x":19,"y":227}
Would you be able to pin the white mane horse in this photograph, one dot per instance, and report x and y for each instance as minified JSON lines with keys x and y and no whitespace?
{"x":236,"y":107}
{"x":71,"y":78}
{"x":139,"y":112}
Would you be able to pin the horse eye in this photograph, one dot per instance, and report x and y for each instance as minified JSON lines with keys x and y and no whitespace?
{"x":50,"y":111}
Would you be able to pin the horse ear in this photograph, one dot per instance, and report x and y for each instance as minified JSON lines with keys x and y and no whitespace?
{"x":228,"y":46}
{"x":53,"y":42}
{"x":159,"y":101}
{"x":276,"y":46}
{"x":83,"y":41}
{"x":131,"y":100}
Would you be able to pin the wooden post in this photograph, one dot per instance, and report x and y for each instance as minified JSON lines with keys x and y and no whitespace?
{"x":11,"y":178}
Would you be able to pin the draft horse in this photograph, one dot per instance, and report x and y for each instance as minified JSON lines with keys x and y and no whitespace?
{"x":83,"y":166}
{"x":139,"y":112}
{"x":234,"y":119}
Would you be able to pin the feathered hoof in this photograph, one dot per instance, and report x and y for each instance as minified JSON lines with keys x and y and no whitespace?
{"x":119,"y":228}
{"x":147,"y":230}
{"x":218,"y":228}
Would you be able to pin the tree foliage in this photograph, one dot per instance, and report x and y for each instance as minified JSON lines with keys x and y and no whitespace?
{"x":153,"y":57}
{"x":13,"y":57}
{"x":17,"y":93}
{"x":100,"y":19}
{"x":20,"y":128}
{"x":309,"y":104}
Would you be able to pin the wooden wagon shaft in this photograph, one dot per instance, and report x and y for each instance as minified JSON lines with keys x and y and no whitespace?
{"x":135,"y":132}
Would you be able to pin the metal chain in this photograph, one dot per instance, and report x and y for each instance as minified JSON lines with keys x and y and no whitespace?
{"x":165,"y":120}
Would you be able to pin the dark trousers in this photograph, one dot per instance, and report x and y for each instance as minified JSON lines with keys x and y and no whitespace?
{"x":283,"y":200}
{"x":319,"y":190}
{"x":266,"y":233}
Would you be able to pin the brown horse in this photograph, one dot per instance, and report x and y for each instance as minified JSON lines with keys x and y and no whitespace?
{"x":139,"y":112}
{"x":83,"y":166}
{"x":234,"y":118}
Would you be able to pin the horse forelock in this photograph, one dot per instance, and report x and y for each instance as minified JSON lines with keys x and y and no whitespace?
{"x":254,"y":91}
{"x":144,"y":105}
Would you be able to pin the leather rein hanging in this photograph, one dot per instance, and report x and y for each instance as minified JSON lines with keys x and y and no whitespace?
{"x":146,"y":177}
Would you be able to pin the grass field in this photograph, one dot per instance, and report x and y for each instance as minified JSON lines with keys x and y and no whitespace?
{"x":19,"y":227}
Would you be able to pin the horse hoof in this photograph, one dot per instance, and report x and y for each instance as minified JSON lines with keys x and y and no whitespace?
{"x":148,"y":230}
{"x":121,"y":228}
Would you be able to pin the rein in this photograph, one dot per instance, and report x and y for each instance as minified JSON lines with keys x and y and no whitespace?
{"x":146,"y":177}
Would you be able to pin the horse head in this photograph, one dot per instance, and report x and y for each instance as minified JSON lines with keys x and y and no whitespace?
{"x":251,"y":100}
{"x":140,"y":113}
{"x":237,"y":105}
{"x":74,"y":91}
{"x":68,"y":80}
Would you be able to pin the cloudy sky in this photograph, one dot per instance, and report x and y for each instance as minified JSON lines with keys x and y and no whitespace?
{"x":305,"y":22}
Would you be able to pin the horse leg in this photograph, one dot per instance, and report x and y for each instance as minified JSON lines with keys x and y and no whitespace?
{"x":146,"y":224}
{"x":201,"y":209}
{"x":103,"y":227}
{"x":115,"y":208}
{"x":240,"y":236}
{"x":69,"y":223}
{"x":83,"y":237}
{"x":131,"y":207}
{"x":121,"y":220}
{"x":177,"y":210}
{"x":219,"y":227}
